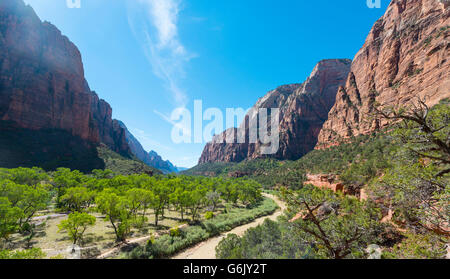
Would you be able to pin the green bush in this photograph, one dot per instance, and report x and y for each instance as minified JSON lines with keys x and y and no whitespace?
{"x":33,"y":254}
{"x":209,"y":215}
{"x":170,"y":244}
{"x":175,"y":232}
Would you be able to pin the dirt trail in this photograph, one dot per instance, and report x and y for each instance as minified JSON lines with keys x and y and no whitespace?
{"x":207,"y":248}
{"x":139,"y":240}
{"x":114,"y":250}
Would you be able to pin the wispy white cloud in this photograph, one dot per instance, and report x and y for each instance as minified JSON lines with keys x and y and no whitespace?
{"x":155,"y":25}
{"x":147,"y":141}
{"x":186,"y":129}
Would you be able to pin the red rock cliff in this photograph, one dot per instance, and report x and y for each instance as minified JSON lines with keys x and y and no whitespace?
{"x":42,"y":84}
{"x":303,"y":110}
{"x":405,"y":56}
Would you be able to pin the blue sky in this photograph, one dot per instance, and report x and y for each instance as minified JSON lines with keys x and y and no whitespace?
{"x":148,"y":57}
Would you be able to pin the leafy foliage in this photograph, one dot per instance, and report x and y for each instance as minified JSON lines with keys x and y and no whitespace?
{"x":31,"y":254}
{"x":405,"y":169}
{"x":271,"y":240}
{"x":76,"y":225}
{"x":418,"y":246}
{"x":339,"y":226}
{"x":417,"y":185}
{"x":123,"y":165}
{"x":169,"y":244}
{"x":124,"y":200}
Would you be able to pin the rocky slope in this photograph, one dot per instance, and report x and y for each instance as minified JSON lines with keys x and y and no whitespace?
{"x":303,"y":110}
{"x":42,"y":84}
{"x":157,"y":162}
{"x":150,"y":158}
{"x":405,"y":56}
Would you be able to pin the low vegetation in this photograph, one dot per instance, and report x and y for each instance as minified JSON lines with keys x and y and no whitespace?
{"x":121,"y":206}
{"x":123,"y":165}
{"x":169,"y":244}
{"x":405,"y":173}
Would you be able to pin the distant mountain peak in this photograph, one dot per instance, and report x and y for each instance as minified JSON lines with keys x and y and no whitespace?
{"x":150,"y":158}
{"x":303,"y":110}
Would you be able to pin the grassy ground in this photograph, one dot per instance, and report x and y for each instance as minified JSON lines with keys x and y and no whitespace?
{"x":97,"y":239}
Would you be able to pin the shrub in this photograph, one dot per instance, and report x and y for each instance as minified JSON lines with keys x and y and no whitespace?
{"x":209,"y":215}
{"x":175,"y":232}
{"x":34,"y":253}
{"x":179,"y":239}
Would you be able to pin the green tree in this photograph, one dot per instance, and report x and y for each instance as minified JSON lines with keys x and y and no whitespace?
{"x":249,"y":191}
{"x":229,"y":191}
{"x":213,"y":199}
{"x":31,"y":177}
{"x":229,"y":248}
{"x":197,"y":198}
{"x":161,"y":197}
{"x":117,"y":210}
{"x":341,"y":226}
{"x":180,"y":199}
{"x":418,"y":246}
{"x":31,"y":254}
{"x":64,"y":179}
{"x":77,"y":199}
{"x":9,"y":218}
{"x":103,"y":174}
{"x":76,"y":224}
{"x":417,"y":185}
{"x":34,"y":199}
{"x":139,"y":200}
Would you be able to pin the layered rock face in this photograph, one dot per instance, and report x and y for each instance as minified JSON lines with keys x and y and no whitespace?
{"x":157,"y":162}
{"x":303,"y":110}
{"x":150,"y":158}
{"x":405,"y":56}
{"x":42,"y":84}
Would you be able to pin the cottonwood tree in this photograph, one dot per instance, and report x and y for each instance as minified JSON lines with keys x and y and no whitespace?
{"x":29,"y":254}
{"x":139,"y":200}
{"x":197,"y":198}
{"x":117,"y":210}
{"x":29,"y":199}
{"x":9,"y":218}
{"x":249,"y":191}
{"x":76,"y":225}
{"x":229,"y":191}
{"x":31,"y":177}
{"x":180,"y":199}
{"x":213,"y":199}
{"x":34,"y":199}
{"x":64,"y":179}
{"x":77,"y":199}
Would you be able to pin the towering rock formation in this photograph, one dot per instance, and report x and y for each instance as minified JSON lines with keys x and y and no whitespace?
{"x":150,"y":158}
{"x":42,"y":84}
{"x":405,"y":56}
{"x":303,"y":110}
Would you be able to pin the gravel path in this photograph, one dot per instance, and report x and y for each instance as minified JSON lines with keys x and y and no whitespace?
{"x":50,"y":216}
{"x":207,"y":249}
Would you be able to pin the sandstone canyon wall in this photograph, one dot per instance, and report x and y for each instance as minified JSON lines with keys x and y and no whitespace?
{"x":303,"y":110}
{"x":42,"y":84}
{"x":405,"y":56}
